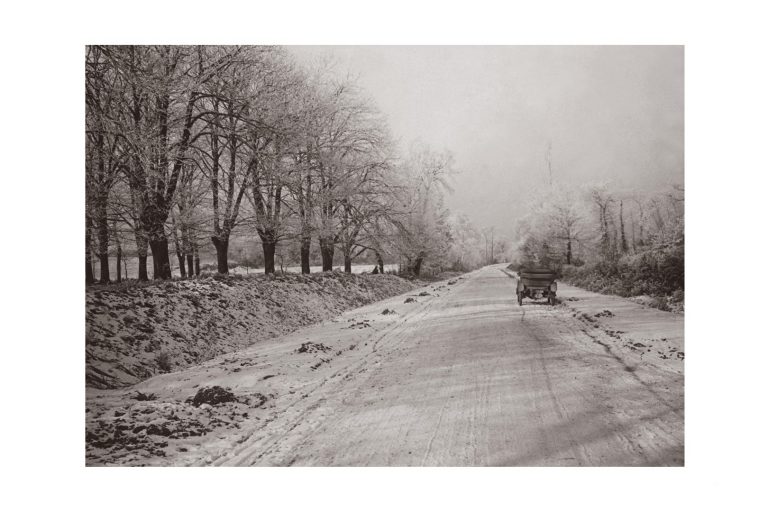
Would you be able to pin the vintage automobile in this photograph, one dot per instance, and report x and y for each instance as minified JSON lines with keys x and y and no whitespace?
{"x":537,"y":283}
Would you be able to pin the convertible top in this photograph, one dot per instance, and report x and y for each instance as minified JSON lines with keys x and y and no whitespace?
{"x":538,"y":273}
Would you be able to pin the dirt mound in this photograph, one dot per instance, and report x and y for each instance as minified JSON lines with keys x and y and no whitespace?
{"x":135,"y":331}
{"x":212,"y":396}
{"x":151,"y":428}
{"x":310,"y":347}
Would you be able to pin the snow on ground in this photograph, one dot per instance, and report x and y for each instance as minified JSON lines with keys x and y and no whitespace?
{"x":454,"y":373}
{"x":625,"y":327}
{"x":637,"y":332}
{"x":150,"y":421}
{"x":136,"y":331}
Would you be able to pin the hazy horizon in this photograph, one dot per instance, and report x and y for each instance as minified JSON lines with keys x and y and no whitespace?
{"x":610,"y":113}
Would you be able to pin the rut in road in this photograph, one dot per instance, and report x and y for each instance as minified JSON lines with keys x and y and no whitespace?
{"x":305,"y":415}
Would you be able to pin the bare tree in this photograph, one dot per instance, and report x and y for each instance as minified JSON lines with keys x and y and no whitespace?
{"x":276,"y":149}
{"x":104,"y":147}
{"x":602,"y":199}
{"x":226,"y":158}
{"x":161,"y":110}
{"x":424,"y":230}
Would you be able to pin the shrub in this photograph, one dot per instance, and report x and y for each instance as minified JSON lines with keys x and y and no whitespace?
{"x":656,"y":272}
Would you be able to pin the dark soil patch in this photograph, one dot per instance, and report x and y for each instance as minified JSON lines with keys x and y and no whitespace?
{"x":257,"y":400}
{"x":212,"y":396}
{"x":310,"y":347}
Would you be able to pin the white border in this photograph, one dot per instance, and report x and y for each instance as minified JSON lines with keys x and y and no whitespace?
{"x":43,"y":153}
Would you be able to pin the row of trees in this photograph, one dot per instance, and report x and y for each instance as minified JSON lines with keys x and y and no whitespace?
{"x":189,"y":145}
{"x":599,"y":224}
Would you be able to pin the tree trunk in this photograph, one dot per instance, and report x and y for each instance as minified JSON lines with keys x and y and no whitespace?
{"x":143,"y":276}
{"x":190,"y":263}
{"x":89,"y":279}
{"x":417,"y":266}
{"x":624,"y":246}
{"x":182,"y":266}
{"x":119,"y":247}
{"x":326,"y":251}
{"x":119,"y":277}
{"x":104,"y":268}
{"x":380,"y":262}
{"x":568,"y":253}
{"x":161,"y":260}
{"x":197,"y":262}
{"x":178,"y":248}
{"x":88,"y":270}
{"x":141,"y":249}
{"x":222,"y":249}
{"x":348,"y":261}
{"x":305,"y":247}
{"x":269,"y":256}
{"x":102,"y":232}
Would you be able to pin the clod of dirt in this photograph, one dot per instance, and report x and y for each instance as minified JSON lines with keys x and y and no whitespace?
{"x":604,"y":313}
{"x":212,"y":396}
{"x":388,"y":311}
{"x":311,"y":347}
{"x":257,"y":400}
{"x":409,"y":300}
{"x":424,"y":294}
{"x":451,"y":282}
{"x":158,"y":430}
{"x":144,"y":397}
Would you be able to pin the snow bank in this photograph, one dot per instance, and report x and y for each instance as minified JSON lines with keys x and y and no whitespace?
{"x":135,"y":332}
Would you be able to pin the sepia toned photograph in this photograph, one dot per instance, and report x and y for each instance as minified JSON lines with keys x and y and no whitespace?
{"x":384,"y":256}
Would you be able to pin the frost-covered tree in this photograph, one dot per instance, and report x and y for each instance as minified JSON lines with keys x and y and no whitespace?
{"x":424,"y":232}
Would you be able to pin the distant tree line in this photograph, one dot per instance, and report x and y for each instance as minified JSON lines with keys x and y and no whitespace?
{"x":629,"y":243}
{"x":188,"y":145}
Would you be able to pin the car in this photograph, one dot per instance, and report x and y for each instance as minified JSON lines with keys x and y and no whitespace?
{"x":537,"y":283}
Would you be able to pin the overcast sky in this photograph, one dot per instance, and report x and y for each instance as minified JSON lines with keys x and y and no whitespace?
{"x":611,"y":114}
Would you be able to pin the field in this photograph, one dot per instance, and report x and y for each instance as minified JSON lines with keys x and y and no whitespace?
{"x":131,"y":268}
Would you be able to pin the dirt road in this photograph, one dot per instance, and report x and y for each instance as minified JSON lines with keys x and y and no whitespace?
{"x":460,"y":375}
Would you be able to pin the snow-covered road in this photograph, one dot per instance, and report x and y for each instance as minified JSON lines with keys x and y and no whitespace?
{"x":462,"y":376}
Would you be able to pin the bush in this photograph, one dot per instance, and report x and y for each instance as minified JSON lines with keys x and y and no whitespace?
{"x":656,"y":272}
